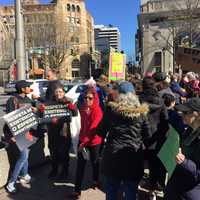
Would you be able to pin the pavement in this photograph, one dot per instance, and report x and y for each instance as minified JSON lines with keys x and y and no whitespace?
{"x":42,"y":188}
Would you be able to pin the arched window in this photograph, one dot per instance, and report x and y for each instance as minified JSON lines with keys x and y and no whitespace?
{"x":68,"y":7}
{"x":72,"y":39}
{"x":78,"y":8}
{"x":73,"y":8}
{"x":77,"y":39}
{"x":75,"y":68}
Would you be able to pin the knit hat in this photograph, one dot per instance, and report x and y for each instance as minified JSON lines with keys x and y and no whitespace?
{"x":125,"y":87}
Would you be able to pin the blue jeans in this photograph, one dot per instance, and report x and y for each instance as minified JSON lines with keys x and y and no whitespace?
{"x":112,"y":187}
{"x":21,"y":166}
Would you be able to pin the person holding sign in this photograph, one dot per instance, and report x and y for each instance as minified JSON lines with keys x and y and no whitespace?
{"x":185,"y":181}
{"x":59,"y":136}
{"x":21,"y":166}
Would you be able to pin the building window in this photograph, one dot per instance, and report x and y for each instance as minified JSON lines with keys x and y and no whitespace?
{"x":68,"y":19}
{"x":78,"y":21}
{"x":77,"y":39}
{"x":73,"y":8}
{"x":78,"y":9}
{"x":73,"y":20}
{"x":68,"y":7}
{"x":157,"y":59}
{"x":72,"y":39}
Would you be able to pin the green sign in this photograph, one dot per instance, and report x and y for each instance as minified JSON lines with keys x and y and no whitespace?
{"x":169,"y":151}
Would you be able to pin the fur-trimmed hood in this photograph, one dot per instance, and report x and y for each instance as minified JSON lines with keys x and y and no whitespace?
{"x":129,"y":111}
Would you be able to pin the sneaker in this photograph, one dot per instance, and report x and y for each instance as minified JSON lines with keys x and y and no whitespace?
{"x":25,"y":179}
{"x":11,"y":188}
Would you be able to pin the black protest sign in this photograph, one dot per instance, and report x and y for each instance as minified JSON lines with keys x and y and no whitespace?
{"x":20,"y":122}
{"x":56,"y":111}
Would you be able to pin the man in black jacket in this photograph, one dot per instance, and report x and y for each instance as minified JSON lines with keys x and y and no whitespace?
{"x":21,"y":166}
{"x":158,"y":120}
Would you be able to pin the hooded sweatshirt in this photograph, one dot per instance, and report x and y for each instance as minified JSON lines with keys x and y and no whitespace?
{"x":90,"y":119}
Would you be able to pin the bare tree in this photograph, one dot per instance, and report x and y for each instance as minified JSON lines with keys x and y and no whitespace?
{"x":56,"y":41}
{"x":183,"y":21}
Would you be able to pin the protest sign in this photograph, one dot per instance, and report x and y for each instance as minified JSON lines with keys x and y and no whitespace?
{"x":56,"y":111}
{"x":117,"y":65}
{"x":20,"y":122}
{"x":169,"y":150}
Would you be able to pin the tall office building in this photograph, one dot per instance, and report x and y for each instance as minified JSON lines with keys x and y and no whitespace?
{"x":106,"y":37}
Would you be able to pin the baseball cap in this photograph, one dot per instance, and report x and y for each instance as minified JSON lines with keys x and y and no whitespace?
{"x":22,"y":84}
{"x":192,"y":105}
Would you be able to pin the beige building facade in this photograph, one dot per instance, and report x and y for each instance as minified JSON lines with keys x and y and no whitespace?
{"x":162,"y":27}
{"x":59,"y":35}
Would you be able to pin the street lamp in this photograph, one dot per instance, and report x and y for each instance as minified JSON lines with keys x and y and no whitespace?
{"x":20,"y":49}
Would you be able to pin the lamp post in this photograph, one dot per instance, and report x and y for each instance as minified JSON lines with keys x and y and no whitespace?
{"x":20,"y":49}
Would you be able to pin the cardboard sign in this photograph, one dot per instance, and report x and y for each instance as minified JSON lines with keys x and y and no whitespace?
{"x":20,"y":122}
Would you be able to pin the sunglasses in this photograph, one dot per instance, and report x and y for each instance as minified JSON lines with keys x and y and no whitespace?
{"x":89,"y":98}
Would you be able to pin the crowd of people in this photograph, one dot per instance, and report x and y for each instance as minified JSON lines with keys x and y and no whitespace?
{"x":123,"y":126}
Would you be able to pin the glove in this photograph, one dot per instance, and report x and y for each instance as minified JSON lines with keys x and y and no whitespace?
{"x":54,"y":120}
{"x":41,"y":108}
{"x":71,"y":106}
{"x":29,"y":136}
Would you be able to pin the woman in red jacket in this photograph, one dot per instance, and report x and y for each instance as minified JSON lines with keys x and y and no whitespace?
{"x":89,"y":141}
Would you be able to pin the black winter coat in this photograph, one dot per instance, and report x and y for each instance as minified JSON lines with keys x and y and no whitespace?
{"x":126,"y":130}
{"x":158,"y":119}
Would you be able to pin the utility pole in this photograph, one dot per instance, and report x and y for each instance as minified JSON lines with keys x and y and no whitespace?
{"x":20,"y":49}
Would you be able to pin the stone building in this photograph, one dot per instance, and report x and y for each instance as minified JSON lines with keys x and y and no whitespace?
{"x":163,"y":26}
{"x":58,"y":34}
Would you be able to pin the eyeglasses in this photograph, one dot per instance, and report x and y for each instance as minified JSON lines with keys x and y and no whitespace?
{"x":89,"y":98}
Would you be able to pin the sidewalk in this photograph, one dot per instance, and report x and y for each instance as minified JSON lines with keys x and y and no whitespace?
{"x":44,"y":189}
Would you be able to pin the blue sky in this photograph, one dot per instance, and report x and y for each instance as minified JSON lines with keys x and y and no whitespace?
{"x":120,"y":13}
